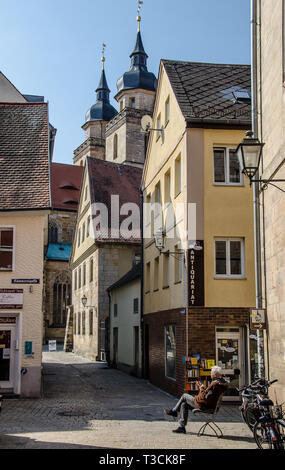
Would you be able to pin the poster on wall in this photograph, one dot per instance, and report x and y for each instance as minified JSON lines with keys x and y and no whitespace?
{"x":196,"y":274}
{"x":11,"y":298}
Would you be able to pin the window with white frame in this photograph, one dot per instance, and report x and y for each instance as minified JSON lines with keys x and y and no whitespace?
{"x":229,"y":258}
{"x":6,"y":248}
{"x":226,"y":167}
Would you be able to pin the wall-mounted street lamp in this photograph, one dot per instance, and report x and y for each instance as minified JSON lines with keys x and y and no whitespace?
{"x":249,"y":155}
{"x":84,"y":302}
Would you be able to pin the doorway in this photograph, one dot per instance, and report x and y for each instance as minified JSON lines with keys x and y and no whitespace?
{"x":230,"y":357}
{"x":7,"y":338}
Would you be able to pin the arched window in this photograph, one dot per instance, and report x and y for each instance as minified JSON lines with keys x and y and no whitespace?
{"x":54,"y":231}
{"x":61,"y":299}
{"x":115,"y":146}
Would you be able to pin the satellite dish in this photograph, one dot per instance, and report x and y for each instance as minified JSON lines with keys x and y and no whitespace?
{"x":146,"y":122}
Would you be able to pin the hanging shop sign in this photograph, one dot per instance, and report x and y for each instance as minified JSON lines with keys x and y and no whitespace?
{"x":258,"y":319}
{"x":11,"y":298}
{"x":196,"y":274}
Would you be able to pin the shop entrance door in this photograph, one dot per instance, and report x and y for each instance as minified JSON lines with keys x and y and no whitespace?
{"x":230,"y":357}
{"x":6,"y":357}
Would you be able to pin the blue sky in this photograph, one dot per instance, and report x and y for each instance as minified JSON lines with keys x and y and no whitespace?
{"x":53,"y":48}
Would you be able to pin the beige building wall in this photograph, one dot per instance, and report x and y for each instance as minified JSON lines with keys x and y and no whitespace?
{"x":228,"y":213}
{"x":30,"y":231}
{"x":162,"y":291}
{"x":8,"y":92}
{"x":271,"y":109}
{"x":126,"y":321}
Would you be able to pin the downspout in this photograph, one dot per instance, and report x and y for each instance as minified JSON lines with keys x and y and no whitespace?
{"x":256,"y":201}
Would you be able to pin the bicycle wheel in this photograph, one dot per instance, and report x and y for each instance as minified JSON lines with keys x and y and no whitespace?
{"x":250,"y":416}
{"x":262,"y":436}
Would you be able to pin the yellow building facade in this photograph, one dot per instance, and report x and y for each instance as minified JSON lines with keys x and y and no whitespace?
{"x":199,"y":287}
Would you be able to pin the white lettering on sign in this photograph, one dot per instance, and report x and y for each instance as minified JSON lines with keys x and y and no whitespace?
{"x":192,"y":278}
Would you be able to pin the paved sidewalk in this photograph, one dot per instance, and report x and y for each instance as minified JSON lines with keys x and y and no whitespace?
{"x":87,"y":405}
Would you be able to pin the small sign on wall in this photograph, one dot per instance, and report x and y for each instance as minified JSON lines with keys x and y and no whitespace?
{"x":52,"y":345}
{"x":258,"y":319}
{"x":29,"y":349}
{"x":11,"y":298}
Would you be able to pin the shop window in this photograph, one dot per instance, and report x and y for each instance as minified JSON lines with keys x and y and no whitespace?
{"x":6,"y":249}
{"x":170,"y":351}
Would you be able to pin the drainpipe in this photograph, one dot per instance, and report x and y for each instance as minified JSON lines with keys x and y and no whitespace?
{"x":256,"y":196}
{"x":142,"y":287}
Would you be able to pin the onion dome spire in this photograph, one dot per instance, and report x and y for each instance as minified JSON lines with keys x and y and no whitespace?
{"x":102,"y":109}
{"x":138,"y":75}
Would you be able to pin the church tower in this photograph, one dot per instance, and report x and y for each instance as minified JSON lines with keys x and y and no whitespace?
{"x":96,"y":120}
{"x":125,"y":141}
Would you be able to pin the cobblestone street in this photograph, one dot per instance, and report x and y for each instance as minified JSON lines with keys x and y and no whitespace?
{"x":87,"y":405}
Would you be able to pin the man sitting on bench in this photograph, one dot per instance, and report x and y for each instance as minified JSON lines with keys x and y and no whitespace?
{"x":205,"y":400}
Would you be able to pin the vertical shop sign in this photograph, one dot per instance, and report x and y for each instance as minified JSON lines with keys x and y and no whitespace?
{"x":196,"y":274}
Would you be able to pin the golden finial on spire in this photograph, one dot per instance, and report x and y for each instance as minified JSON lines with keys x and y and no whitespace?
{"x":140,"y":3}
{"x":103,"y":54}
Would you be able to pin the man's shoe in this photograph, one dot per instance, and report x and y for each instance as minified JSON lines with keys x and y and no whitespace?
{"x":180,"y":430}
{"x":170,"y":412}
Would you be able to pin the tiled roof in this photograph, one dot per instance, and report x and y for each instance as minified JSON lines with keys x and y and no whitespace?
{"x":132,"y":275}
{"x":107,"y":179}
{"x":205,"y":91}
{"x":65,"y":186}
{"x":24,"y":156}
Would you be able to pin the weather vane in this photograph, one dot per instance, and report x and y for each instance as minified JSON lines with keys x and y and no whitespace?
{"x":103,"y":54}
{"x":140,"y":3}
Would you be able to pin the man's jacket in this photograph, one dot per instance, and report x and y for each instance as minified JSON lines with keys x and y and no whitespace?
{"x":208,"y":398}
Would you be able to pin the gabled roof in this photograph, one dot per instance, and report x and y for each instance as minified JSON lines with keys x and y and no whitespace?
{"x":107,"y":179}
{"x":65,"y":186}
{"x":204,"y":91}
{"x":24,"y":156}
{"x":132,"y":275}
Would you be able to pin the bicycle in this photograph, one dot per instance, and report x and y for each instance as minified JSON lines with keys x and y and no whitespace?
{"x":251,"y":396}
{"x":268,"y":431}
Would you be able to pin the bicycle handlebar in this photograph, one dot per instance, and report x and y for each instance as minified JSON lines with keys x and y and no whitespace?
{"x":256,"y":384}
